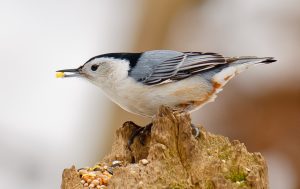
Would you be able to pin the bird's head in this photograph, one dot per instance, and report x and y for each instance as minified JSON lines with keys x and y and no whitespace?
{"x":99,"y":69}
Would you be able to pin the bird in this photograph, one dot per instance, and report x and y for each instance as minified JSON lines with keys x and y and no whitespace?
{"x":142,"y":82}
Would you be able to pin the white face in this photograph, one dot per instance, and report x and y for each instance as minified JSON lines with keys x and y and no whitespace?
{"x":102,"y":70}
{"x":95,"y":69}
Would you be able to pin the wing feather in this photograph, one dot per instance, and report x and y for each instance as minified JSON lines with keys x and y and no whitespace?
{"x":183,"y":66}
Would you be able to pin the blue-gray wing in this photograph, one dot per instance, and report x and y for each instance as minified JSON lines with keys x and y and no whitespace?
{"x":160,"y":66}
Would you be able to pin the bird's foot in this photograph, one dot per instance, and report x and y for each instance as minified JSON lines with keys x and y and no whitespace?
{"x":195,"y":131}
{"x":141,"y":132}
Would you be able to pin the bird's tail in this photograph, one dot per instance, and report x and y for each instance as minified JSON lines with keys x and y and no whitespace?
{"x":250,"y":60}
{"x":244,"y":62}
{"x":237,"y":65}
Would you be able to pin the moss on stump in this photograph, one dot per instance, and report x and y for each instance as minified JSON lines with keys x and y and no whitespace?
{"x":175,"y":159}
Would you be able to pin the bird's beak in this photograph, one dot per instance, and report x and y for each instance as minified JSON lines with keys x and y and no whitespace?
{"x":70,"y":72}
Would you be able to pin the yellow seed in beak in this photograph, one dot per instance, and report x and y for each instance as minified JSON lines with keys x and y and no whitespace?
{"x":60,"y":74}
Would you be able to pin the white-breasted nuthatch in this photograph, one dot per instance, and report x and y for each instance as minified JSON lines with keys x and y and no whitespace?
{"x":141,"y":82}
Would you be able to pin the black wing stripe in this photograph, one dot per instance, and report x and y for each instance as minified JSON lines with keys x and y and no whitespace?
{"x":196,"y":69}
{"x":165,"y":71}
{"x":215,"y":61}
{"x":203,"y":58}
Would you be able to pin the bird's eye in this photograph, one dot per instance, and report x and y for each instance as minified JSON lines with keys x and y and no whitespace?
{"x":94,"y":67}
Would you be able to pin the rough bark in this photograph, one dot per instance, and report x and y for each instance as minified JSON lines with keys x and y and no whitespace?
{"x":178,"y":160}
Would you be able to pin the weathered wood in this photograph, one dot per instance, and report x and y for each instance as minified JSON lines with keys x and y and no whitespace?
{"x":178,"y":160}
{"x":70,"y":179}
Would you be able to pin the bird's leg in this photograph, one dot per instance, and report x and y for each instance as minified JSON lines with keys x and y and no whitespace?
{"x":195,"y":130}
{"x":141,"y":132}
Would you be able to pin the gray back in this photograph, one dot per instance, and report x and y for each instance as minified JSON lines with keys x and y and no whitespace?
{"x":149,"y":60}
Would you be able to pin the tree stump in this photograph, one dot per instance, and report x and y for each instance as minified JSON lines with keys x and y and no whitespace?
{"x":171,"y":157}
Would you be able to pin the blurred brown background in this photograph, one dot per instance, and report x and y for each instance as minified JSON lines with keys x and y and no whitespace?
{"x":47,"y":125}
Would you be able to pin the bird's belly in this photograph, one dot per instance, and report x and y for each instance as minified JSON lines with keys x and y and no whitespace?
{"x":143,"y":100}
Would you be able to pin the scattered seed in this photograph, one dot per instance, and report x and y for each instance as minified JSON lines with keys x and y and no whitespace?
{"x":144,"y":161}
{"x":97,"y":176}
{"x":92,"y":186}
{"x":96,"y":167}
{"x":96,"y":182}
{"x":82,"y":172}
{"x":116,"y":163}
{"x":105,"y":179}
{"x":106,"y":173}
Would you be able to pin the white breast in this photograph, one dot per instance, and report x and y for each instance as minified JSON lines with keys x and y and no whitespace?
{"x":145,"y":100}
